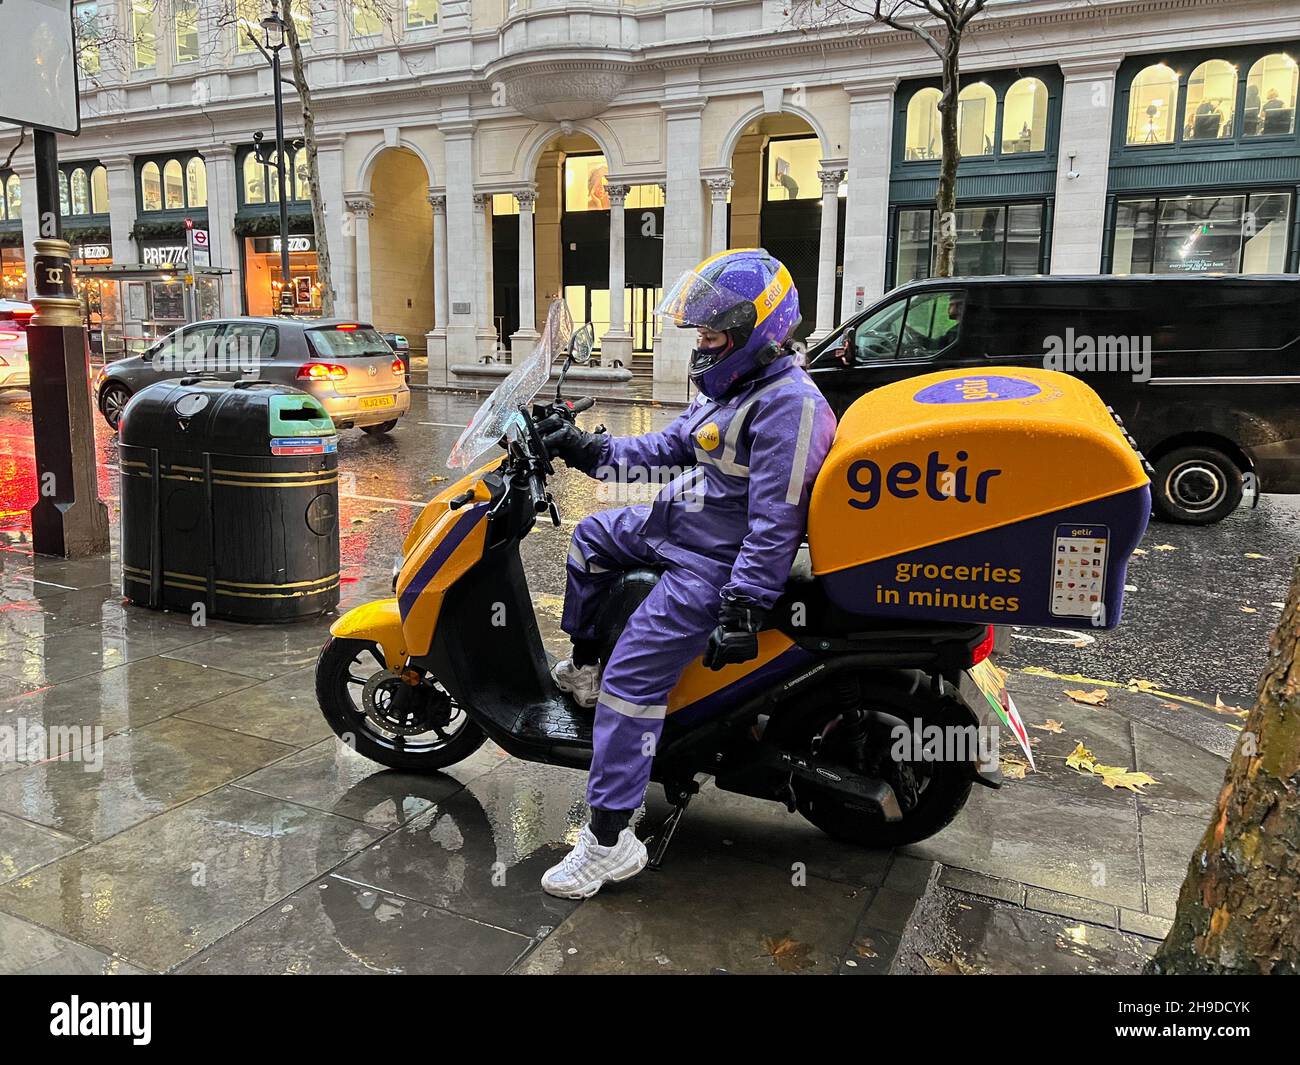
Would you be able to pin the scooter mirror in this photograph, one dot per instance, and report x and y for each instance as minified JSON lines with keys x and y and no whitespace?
{"x":581,"y":344}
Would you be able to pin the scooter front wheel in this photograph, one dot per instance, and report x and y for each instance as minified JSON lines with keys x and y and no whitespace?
{"x":405,"y":722}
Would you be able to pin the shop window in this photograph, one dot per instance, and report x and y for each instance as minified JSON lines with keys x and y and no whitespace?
{"x":187,"y":30}
{"x":196,"y":182}
{"x":923,"y":139}
{"x":792,"y":167}
{"x":503,"y":204}
{"x":151,"y":197}
{"x":144,"y":38}
{"x":86,"y":24}
{"x":173,"y":187}
{"x":1271,"y":96}
{"x":991,"y":239}
{"x":1024,"y":117}
{"x":13,"y":194}
{"x":254,"y":180}
{"x":99,"y":191}
{"x":977,"y":116}
{"x":645,"y":197}
{"x":1230,"y":234}
{"x":65,"y":202}
{"x":1210,"y":101}
{"x":420,"y":13}
{"x":301,"y":176}
{"x":300,"y":12}
{"x":1152,"y":104}
{"x":585,"y":183}
{"x":80,"y":191}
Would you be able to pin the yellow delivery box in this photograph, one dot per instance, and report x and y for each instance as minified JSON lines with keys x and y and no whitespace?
{"x":1011,"y":497}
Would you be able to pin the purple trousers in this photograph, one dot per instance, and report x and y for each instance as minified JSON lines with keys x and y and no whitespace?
{"x":664,"y":635}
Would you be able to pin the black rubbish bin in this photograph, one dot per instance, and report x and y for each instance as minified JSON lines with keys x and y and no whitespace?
{"x":229,"y":500}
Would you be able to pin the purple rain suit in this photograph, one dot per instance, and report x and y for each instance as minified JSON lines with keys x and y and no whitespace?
{"x":729,"y":522}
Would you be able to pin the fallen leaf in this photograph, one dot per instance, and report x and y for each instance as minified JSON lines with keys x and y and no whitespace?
{"x":1013,"y":768}
{"x":1249,"y":610}
{"x":789,"y":954}
{"x":436,"y":479}
{"x":1081,"y":758}
{"x":1139,"y":551}
{"x":1133,"y":781}
{"x":1093,"y":698}
{"x":1252,"y":554}
{"x":1050,"y":725}
{"x":951,"y":966}
{"x":382,"y":510}
{"x":1166,"y":547}
{"x":863,"y":948}
{"x":360,"y":521}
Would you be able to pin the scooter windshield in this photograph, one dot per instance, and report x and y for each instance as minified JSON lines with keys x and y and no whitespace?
{"x":500,"y":409}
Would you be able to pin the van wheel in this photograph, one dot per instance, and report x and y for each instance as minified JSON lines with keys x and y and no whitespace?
{"x":1196,"y":486}
{"x":380,"y":429}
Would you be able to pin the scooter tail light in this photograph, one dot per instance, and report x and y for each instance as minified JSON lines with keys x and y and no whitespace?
{"x":982,"y":649}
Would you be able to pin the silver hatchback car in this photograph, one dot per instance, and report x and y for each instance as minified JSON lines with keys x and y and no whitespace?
{"x":346,"y":365}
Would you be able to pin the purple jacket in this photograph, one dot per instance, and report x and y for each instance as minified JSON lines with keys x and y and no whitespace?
{"x":739,"y":473}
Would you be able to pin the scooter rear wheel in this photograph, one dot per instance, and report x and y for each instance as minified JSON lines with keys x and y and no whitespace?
{"x":417,"y":728}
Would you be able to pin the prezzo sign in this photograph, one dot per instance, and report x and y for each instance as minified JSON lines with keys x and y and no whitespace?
{"x":163,"y":254}
{"x":267,"y":245}
{"x":92,"y":251}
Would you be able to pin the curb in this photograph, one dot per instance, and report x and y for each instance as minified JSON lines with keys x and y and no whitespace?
{"x":880,"y":933}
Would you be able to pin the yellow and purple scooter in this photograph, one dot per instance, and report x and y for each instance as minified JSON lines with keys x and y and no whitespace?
{"x":949,"y":503}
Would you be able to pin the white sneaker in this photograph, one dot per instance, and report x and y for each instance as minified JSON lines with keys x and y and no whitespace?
{"x":589,"y":865}
{"x":582,"y":681}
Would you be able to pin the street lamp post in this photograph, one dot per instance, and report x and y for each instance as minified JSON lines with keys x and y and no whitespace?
{"x":273,"y":31}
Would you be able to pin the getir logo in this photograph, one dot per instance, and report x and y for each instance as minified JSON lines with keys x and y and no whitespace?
{"x":906,"y":480}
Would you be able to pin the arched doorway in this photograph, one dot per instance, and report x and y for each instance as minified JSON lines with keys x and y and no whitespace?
{"x":776,"y":202}
{"x":401,"y":246}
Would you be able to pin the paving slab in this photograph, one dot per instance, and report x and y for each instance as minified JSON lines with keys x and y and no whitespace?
{"x":25,"y":846}
{"x":261,"y":651}
{"x":159,"y":893}
{"x":29,"y":950}
{"x":283,"y":709}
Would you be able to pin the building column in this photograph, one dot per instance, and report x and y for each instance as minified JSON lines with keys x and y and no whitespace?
{"x":223,"y":200}
{"x":684,"y":237}
{"x":361,"y":206}
{"x":718,"y":189}
{"x":831,"y":174}
{"x":486,"y":337}
{"x":526,"y":336}
{"x":437,"y":339}
{"x":339,"y":225}
{"x":866,"y":214}
{"x":122,"y":206}
{"x":462,"y":284}
{"x":616,"y":345}
{"x":1083,"y":164}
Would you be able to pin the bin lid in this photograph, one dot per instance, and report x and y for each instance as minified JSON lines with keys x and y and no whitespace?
{"x":257,"y":418}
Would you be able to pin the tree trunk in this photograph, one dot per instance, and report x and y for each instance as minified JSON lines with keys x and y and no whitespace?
{"x":1237,"y":911}
{"x":324,"y":273}
{"x":946,"y":200}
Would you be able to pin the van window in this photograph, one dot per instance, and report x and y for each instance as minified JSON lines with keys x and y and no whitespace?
{"x":932,"y":324}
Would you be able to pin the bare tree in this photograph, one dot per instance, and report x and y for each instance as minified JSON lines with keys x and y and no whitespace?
{"x":1237,"y":910}
{"x":941,"y":25}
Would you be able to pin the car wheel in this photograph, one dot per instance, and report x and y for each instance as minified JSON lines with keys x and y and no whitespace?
{"x":380,"y":429}
{"x":1196,"y":485}
{"x":112,"y":401}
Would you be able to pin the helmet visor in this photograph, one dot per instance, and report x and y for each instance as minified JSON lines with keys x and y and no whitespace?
{"x":694,"y":300}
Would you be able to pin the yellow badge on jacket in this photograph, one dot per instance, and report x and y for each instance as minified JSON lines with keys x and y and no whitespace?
{"x":708,"y":436}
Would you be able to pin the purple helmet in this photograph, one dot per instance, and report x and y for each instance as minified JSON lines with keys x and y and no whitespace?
{"x":746,"y":294}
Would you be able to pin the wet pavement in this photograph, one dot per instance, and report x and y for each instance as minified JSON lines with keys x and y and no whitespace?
{"x":204,"y":819}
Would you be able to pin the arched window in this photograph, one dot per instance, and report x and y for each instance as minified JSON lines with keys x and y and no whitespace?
{"x":301,"y":175}
{"x":173,"y":187}
{"x":80,"y":192}
{"x":1152,"y":104}
{"x":1211,"y":101}
{"x":273,"y":183}
{"x":14,"y":194}
{"x":196,"y":183}
{"x":1024,"y":117}
{"x":977,"y":115}
{"x":1271,"y":96}
{"x":65,"y":206}
{"x":99,"y":191}
{"x":151,"y":198}
{"x":254,"y":180}
{"x":922,"y":140}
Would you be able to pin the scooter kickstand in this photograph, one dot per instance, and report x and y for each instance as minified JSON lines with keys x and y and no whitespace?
{"x":663,"y":836}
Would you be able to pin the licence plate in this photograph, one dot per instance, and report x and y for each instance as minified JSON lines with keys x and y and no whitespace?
{"x":991,"y":682}
{"x":373,"y":402}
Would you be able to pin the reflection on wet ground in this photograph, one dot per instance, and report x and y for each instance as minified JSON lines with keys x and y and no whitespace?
{"x":199,"y":816}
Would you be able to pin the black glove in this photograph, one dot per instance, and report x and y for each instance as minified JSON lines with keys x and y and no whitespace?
{"x":736,"y":637}
{"x":564,"y":440}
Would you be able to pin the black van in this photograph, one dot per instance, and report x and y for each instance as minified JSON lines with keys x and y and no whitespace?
{"x":1204,"y":371}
